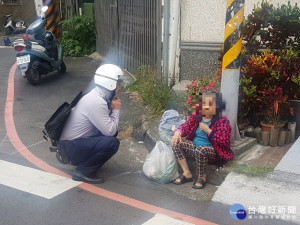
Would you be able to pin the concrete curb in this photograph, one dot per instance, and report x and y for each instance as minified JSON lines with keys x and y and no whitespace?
{"x":150,"y":130}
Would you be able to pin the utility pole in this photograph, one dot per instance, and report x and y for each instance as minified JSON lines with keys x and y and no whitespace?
{"x":231,"y":61}
{"x":54,"y":17}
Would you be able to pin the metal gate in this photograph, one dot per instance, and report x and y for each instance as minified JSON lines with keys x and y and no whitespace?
{"x":129,"y":32}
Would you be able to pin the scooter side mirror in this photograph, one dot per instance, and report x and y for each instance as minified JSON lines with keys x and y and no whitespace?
{"x":44,"y":10}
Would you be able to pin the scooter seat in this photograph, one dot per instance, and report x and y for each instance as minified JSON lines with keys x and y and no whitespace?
{"x":8,"y":15}
{"x":35,"y":46}
{"x":19,"y":41}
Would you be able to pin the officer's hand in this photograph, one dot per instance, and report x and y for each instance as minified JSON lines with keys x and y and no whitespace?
{"x":176,"y":139}
{"x":116,"y":104}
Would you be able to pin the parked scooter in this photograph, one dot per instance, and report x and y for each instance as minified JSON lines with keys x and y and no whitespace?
{"x":39,"y":52}
{"x":13,"y":26}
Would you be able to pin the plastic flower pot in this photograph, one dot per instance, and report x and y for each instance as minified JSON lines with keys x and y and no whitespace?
{"x":292,"y":127}
{"x":288,"y":136}
{"x":258,"y":134}
{"x":281,"y":139}
{"x":267,"y":127}
{"x":297,"y":109}
{"x":265,"y":138}
{"x":274,"y":136}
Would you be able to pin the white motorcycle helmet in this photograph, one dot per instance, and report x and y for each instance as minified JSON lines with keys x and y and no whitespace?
{"x":107,"y":76}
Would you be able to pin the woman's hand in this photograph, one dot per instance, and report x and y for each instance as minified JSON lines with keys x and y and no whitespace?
{"x":204,"y":127}
{"x":176,"y":139}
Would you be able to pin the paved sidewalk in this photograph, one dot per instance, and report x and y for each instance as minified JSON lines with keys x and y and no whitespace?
{"x":280,"y":189}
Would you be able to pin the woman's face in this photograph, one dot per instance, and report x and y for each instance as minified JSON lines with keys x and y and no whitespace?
{"x":208,"y":105}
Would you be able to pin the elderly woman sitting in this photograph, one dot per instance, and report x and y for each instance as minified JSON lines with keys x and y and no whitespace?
{"x":207,"y":140}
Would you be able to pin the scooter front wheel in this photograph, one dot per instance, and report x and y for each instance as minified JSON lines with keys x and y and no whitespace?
{"x":33,"y":76}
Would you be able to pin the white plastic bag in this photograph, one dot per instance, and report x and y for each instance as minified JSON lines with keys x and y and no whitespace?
{"x":170,"y":121}
{"x":160,"y":164}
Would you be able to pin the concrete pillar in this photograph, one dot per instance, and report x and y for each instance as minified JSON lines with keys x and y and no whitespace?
{"x":231,"y":61}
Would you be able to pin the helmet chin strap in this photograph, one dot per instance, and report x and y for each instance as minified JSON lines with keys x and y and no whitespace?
{"x":112,"y":95}
{"x":108,"y":95}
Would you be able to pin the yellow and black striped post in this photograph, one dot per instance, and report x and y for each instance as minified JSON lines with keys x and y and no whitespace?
{"x":53,"y":14}
{"x":231,"y":61}
{"x":233,"y":37}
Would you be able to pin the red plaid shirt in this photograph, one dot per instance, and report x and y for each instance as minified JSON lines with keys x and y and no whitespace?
{"x":219,"y":136}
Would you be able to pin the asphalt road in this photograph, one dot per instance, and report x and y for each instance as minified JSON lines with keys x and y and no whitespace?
{"x":127,"y":196}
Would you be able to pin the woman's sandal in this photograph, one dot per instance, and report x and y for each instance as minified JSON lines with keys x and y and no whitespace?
{"x":201,"y":181}
{"x":183,"y":180}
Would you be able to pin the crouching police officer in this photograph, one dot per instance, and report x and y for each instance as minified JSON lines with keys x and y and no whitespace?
{"x":89,"y":138}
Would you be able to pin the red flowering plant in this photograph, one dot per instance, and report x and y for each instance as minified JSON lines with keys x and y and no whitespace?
{"x":196,"y":88}
{"x":272,"y":100}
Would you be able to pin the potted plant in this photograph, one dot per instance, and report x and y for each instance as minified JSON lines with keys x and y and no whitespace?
{"x":242,"y":121}
{"x":295,"y":109}
{"x":270,"y":79}
{"x":267,"y":81}
{"x":272,"y":100}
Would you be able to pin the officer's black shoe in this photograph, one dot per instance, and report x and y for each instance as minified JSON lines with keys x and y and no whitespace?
{"x":62,"y":159}
{"x":78,"y":176}
{"x":61,"y":156}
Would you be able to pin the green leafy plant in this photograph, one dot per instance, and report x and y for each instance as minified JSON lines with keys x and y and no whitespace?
{"x":296,"y":79}
{"x":267,"y":83}
{"x":152,"y":90}
{"x":265,"y":72}
{"x":79,"y":36}
{"x":285,"y":22}
{"x":274,"y":28}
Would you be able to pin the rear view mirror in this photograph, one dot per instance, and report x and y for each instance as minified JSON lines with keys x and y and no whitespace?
{"x":44,"y":10}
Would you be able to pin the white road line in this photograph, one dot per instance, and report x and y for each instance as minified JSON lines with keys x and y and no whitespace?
{"x":29,"y":146}
{"x":37,"y":182}
{"x":32,"y":145}
{"x":160,"y":219}
{"x":4,"y":139}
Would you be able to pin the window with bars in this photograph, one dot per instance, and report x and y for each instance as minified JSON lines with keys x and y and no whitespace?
{"x":11,"y":2}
